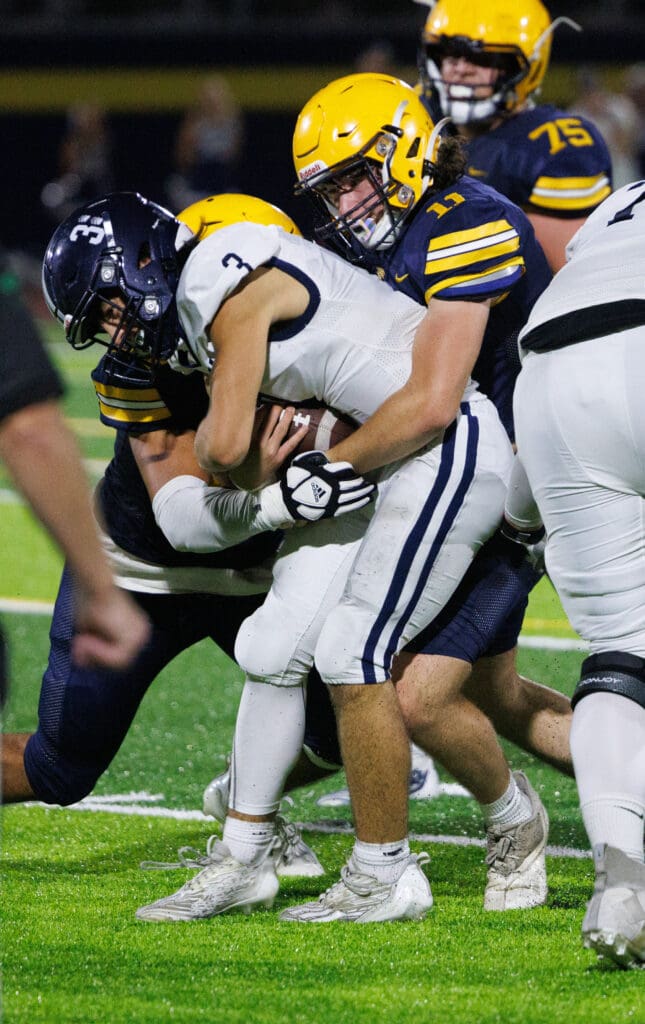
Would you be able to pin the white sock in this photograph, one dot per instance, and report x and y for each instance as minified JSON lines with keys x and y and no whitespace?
{"x":384,"y":861}
{"x":248,"y":841}
{"x":511,"y":808}
{"x":268,"y":739}
{"x":617,"y":820}
{"x":608,"y":750}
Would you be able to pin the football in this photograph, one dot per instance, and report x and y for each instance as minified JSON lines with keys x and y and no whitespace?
{"x":324,"y":428}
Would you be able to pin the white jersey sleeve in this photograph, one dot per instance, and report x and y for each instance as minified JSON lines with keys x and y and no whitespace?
{"x":213,"y":271}
{"x":601,"y":289}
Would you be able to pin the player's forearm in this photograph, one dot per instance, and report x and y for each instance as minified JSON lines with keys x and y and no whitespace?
{"x":399,"y":428}
{"x":42,"y":457}
{"x":195,"y":517}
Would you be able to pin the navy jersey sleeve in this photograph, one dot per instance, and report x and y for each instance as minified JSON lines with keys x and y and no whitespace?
{"x":464,"y":243}
{"x":26,"y":373}
{"x":128,"y":401}
{"x":545,"y":160}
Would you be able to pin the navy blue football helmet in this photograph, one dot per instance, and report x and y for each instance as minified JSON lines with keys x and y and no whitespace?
{"x":117,"y":255}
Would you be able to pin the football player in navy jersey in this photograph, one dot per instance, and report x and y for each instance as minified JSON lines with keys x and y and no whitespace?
{"x":481,"y":64}
{"x":391,"y":193}
{"x":194,"y":580}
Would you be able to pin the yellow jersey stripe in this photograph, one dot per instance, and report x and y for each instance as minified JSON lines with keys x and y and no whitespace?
{"x":494,"y":227}
{"x":493,"y":275}
{"x":129,"y":415}
{"x":464,"y":259}
{"x":570,"y":193}
{"x":142,"y":394}
{"x":119,"y":403}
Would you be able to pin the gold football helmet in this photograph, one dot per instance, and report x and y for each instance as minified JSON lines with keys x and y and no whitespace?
{"x":208,"y":215}
{"x":513,"y":36}
{"x":365,"y":127}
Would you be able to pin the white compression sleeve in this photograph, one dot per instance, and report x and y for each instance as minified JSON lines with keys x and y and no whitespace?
{"x":521,"y":510}
{"x":196,"y":517}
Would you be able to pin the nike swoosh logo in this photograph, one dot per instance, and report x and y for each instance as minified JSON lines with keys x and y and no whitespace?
{"x":631,"y":811}
{"x":474,"y":173}
{"x":400,"y":277}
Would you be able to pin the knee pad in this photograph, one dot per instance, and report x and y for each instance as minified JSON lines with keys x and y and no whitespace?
{"x":269,"y":654}
{"x":54,"y":778}
{"x":612,"y":672}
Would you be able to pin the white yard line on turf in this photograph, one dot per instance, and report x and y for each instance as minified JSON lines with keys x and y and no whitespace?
{"x":138,"y":805}
{"x":547,"y":643}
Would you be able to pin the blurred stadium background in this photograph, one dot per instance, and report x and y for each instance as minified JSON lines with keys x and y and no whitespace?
{"x":142,"y":64}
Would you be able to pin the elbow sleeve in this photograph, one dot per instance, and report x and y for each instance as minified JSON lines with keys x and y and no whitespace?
{"x":196,"y":517}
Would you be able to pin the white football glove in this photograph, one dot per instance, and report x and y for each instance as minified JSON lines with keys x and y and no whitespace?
{"x":314,"y":488}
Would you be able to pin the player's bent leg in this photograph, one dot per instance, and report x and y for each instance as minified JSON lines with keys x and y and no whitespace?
{"x":442,"y":721}
{"x":462,"y":739}
{"x":15,"y":784}
{"x":534,"y":717}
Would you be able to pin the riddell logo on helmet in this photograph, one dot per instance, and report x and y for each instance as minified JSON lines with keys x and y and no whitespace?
{"x":311,"y":169}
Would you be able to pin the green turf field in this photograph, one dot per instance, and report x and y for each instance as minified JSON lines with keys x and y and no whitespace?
{"x":73,"y":952}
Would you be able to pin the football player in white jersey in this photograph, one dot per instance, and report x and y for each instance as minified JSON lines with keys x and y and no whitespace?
{"x":294,"y":321}
{"x":581,"y":436}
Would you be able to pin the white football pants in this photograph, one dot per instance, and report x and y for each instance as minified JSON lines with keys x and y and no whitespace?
{"x":581,"y":437}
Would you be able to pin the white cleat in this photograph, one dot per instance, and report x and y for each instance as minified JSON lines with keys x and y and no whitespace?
{"x":614,"y":924}
{"x":423,"y":784}
{"x":295,"y":859}
{"x":215,"y":799}
{"x":361,"y":898}
{"x":222,"y":886}
{"x":516,"y":859}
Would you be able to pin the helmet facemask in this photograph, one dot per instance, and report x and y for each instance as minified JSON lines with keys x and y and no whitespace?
{"x":374,"y":223}
{"x":136,"y":328}
{"x":463,"y":102}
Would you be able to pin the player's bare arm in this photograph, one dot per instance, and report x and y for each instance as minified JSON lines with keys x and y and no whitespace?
{"x":554,"y":234}
{"x":240,"y":334}
{"x":446,"y":347}
{"x":161,"y":455}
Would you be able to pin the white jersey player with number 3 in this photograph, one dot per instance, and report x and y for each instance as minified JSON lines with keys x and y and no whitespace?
{"x":351,"y":349}
{"x":271,"y":313}
{"x":581,"y":434}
